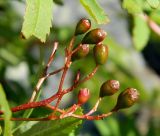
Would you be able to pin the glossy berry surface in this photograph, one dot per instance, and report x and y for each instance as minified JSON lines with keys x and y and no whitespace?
{"x":82,"y":26}
{"x":94,"y":36}
{"x":83,"y":95}
{"x":127,"y":98}
{"x":100,"y":53}
{"x":109,"y":88}
{"x":81,"y":53}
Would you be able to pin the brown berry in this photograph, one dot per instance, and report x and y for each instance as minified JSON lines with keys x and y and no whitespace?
{"x":82,"y":26}
{"x":81,"y":53}
{"x":94,"y":36}
{"x":126,"y":99}
{"x":109,"y":88}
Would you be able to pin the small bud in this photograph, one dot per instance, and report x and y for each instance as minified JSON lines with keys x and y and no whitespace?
{"x":100,"y":52}
{"x":83,"y":95}
{"x":81,"y":53}
{"x":83,"y":26}
{"x":109,"y":88}
{"x":94,"y":36}
{"x":126,"y":99}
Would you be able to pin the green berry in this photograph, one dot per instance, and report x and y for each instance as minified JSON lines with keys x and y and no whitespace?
{"x":82,"y":26}
{"x":126,"y":99}
{"x":83,"y":95}
{"x":81,"y":53}
{"x":109,"y":87}
{"x":100,"y":53}
{"x":94,"y":36}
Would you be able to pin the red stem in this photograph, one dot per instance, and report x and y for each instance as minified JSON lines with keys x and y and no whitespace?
{"x":55,"y":46}
{"x":96,"y":117}
{"x":54,"y":72}
{"x":32,"y":119}
{"x":33,"y":104}
{"x":66,"y":67}
{"x":43,"y":78}
{"x":52,"y":98}
{"x":89,"y":76}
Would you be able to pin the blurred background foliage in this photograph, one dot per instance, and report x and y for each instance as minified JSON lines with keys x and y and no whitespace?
{"x":20,"y":60}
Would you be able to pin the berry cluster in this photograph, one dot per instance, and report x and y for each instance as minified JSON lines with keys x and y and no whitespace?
{"x":100,"y":51}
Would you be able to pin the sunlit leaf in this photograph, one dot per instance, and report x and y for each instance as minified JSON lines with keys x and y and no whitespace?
{"x":7,"y":113}
{"x":95,"y":11}
{"x":154,"y":3}
{"x":37,"y":19}
{"x":132,"y":6}
{"x":156,"y":16}
{"x":141,"y":33}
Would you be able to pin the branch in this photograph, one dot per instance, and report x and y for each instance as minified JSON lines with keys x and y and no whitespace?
{"x":88,"y":77}
{"x":43,"y":78}
{"x":96,"y":117}
{"x":94,"y":109}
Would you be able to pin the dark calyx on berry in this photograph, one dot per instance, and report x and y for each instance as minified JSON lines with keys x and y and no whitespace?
{"x":100,"y":53}
{"x":83,"y":26}
{"x":81,"y":53}
{"x":109,"y":88}
{"x":126,"y":99}
{"x":94,"y":36}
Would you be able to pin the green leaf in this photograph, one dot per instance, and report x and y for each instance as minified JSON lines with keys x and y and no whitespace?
{"x":141,"y":33}
{"x":0,"y":130}
{"x":109,"y":127}
{"x":53,"y":128}
{"x":8,"y":57}
{"x":7,"y":113}
{"x":132,"y":6}
{"x":26,"y":114}
{"x":155,"y":16}
{"x":61,"y":127}
{"x":37,"y":19}
{"x":95,"y":11}
{"x":102,"y":128}
{"x":153,"y":3}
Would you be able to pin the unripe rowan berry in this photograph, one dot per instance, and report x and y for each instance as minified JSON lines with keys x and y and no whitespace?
{"x":126,"y":99}
{"x":109,"y":88}
{"x":82,"y":26}
{"x":83,"y":95}
{"x":100,"y":53}
{"x":81,"y":53}
{"x":94,"y":36}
